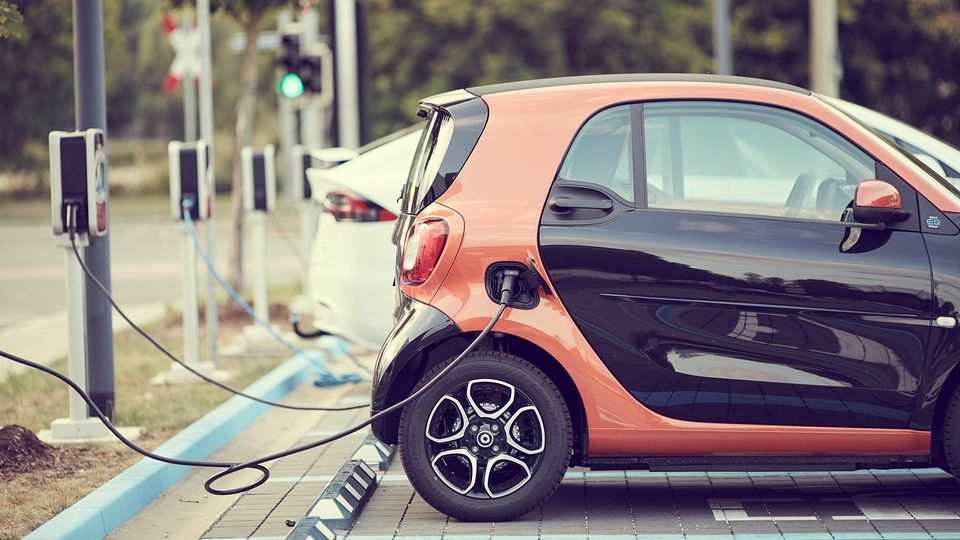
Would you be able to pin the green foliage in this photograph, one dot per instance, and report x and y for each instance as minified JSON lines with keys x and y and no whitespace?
{"x":11,"y":21}
{"x":36,"y":88}
{"x":899,"y":56}
{"x":423,"y":47}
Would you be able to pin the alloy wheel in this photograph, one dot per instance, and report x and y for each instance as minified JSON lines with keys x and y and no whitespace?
{"x":485,"y":439}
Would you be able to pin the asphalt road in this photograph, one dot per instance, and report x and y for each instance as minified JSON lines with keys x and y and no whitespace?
{"x":145,"y":264}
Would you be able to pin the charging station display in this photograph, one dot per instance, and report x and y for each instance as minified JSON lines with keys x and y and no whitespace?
{"x":78,"y":176}
{"x":259,"y":179}
{"x":189,"y":179}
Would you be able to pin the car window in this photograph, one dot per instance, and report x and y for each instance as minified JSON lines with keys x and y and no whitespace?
{"x":748,"y":159}
{"x":602,"y":153}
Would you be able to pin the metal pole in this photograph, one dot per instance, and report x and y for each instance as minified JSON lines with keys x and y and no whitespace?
{"x":288,"y":136}
{"x":258,"y":229}
{"x":91,"y":112}
{"x":76,"y":334}
{"x":189,"y":92}
{"x":347,"y":87}
{"x":824,"y":54}
{"x":191,"y":322}
{"x":312,"y":138}
{"x":206,"y":133}
{"x":722,"y":46}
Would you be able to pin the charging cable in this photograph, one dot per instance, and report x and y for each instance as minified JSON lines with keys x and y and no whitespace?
{"x":238,"y":299}
{"x":508,"y":290}
{"x":71,"y":227}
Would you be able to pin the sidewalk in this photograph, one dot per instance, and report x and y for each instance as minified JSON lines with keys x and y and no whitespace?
{"x":185,"y":510}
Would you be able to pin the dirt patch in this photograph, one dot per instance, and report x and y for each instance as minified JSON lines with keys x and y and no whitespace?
{"x":22,"y":452}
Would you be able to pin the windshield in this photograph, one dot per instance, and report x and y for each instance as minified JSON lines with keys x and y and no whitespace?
{"x":939,"y":182}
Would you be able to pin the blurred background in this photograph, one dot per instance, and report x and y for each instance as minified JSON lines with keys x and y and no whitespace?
{"x":901,"y":57}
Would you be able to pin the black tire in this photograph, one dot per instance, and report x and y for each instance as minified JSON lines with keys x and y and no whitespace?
{"x":950,"y":433}
{"x":480,"y":372}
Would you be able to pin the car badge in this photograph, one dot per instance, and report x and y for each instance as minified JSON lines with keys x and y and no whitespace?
{"x":933,"y":222}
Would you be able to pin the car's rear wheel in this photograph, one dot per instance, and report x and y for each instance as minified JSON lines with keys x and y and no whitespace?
{"x":490,"y":442}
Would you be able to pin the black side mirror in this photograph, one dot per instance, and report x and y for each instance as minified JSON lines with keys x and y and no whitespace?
{"x":877,"y":202}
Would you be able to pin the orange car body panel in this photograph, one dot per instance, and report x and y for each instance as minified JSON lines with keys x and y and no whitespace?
{"x":498,"y":199}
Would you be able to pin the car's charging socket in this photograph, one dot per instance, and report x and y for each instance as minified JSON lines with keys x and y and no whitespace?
{"x":525,"y":297}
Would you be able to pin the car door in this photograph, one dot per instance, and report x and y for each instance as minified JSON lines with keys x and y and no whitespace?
{"x":706,"y":252}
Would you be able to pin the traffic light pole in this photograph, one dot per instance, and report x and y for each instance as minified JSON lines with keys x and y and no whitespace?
{"x":91,"y":112}
{"x":285,"y":111}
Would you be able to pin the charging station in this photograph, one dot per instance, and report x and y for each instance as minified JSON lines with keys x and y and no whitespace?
{"x":190,"y":181}
{"x":78,"y":205}
{"x":257,"y":169}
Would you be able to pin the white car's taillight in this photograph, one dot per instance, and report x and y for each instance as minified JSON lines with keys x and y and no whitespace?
{"x":425,"y":243}
{"x":346,"y":206}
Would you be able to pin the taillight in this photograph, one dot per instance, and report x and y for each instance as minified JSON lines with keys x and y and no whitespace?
{"x":422,"y":251}
{"x":346,"y":206}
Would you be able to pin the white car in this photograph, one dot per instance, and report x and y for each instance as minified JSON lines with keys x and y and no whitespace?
{"x":940,"y":156}
{"x":351,"y":256}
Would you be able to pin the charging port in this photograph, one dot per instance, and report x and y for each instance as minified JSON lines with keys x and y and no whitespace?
{"x":524,"y":298}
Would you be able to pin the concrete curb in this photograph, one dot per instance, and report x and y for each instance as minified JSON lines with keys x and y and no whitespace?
{"x":111,"y":504}
{"x":341,"y":501}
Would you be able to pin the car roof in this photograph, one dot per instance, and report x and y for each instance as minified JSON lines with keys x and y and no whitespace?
{"x":631,"y":77}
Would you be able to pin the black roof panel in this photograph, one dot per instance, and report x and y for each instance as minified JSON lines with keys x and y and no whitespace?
{"x":630,"y":77}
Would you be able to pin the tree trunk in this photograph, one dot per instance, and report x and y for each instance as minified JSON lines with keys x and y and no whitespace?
{"x":242,"y":134}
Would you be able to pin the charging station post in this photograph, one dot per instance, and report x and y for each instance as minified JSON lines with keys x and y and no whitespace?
{"x":259,"y":197}
{"x":78,"y":205}
{"x":190,"y":191}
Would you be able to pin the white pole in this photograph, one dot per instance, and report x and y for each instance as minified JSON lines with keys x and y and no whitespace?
{"x":312,"y":137}
{"x":206,"y":133}
{"x":258,"y":229}
{"x":191,"y":322}
{"x":76,"y":335}
{"x":189,"y":91}
{"x":348,"y":98}
{"x":824,"y":54}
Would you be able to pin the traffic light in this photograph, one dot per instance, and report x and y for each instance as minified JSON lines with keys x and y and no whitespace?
{"x":300,"y":72}
{"x":291,"y":84}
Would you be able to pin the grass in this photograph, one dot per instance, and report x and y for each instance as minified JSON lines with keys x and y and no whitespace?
{"x":33,"y":399}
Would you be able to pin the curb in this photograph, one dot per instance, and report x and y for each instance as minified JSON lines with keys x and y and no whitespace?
{"x":106,"y":508}
{"x":341,"y":501}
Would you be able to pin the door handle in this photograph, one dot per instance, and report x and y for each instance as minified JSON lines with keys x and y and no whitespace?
{"x":564,"y":204}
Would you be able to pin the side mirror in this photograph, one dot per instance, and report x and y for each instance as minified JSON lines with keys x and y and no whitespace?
{"x":877,"y":202}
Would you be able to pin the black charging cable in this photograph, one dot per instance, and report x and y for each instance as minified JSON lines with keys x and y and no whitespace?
{"x":508,"y":290}
{"x":71,"y":221}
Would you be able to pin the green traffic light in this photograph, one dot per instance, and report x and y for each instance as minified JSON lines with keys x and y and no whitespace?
{"x":291,"y":86}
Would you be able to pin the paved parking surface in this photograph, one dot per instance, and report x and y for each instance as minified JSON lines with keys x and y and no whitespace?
{"x":605,"y":505}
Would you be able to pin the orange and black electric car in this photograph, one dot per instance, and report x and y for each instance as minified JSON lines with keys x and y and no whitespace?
{"x":710,"y":273}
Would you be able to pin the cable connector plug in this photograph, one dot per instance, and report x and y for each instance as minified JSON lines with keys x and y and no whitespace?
{"x":509,"y":287}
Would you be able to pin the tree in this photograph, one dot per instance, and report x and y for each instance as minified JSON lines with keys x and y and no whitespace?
{"x":11,"y":21}
{"x":250,"y":14}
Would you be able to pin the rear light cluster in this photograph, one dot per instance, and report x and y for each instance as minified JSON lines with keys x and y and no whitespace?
{"x":422,"y":251}
{"x":346,"y":206}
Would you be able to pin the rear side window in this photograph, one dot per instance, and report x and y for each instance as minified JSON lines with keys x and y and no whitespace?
{"x":602,"y":153}
{"x":448,"y":138}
